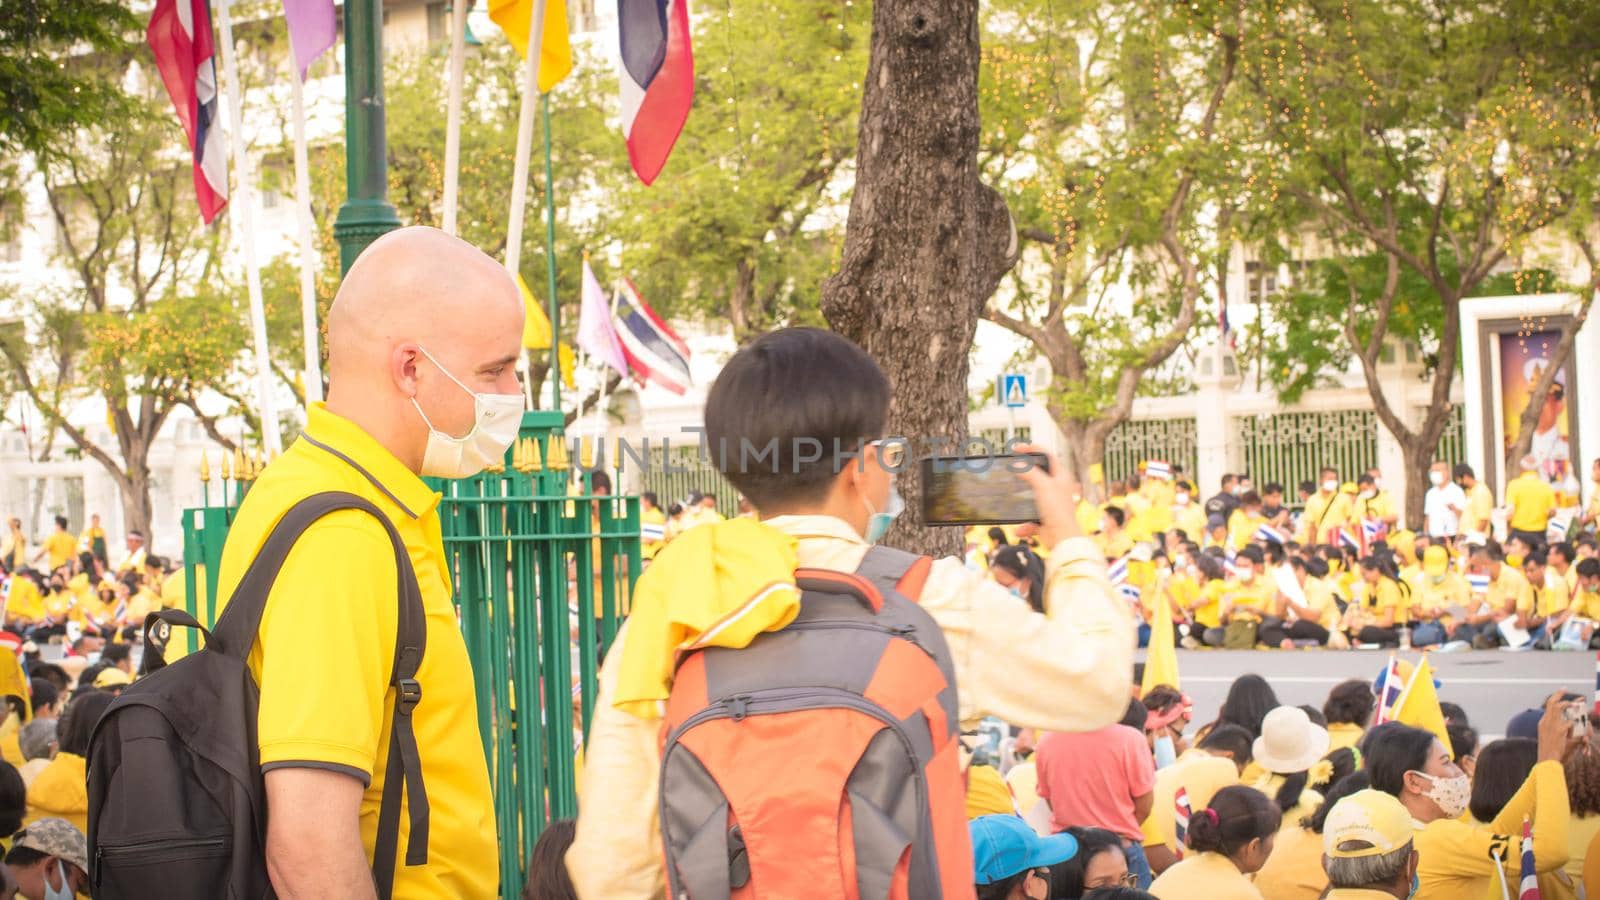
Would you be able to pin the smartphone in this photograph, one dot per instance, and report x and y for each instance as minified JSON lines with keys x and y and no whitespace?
{"x":979,"y":490}
{"x":1577,"y":714}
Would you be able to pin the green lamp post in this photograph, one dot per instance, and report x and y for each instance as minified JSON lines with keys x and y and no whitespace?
{"x":366,"y":212}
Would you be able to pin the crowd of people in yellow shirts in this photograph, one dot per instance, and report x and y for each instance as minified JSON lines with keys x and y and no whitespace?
{"x":1241,"y":569}
{"x":1289,"y":803}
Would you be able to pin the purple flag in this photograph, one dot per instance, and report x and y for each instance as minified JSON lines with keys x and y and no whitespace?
{"x":311,"y":30}
{"x":596,"y":335}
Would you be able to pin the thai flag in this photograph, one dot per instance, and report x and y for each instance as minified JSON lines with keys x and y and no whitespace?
{"x":179,"y":35}
{"x":1478,"y":583}
{"x":1348,"y":539}
{"x":1267,"y":534}
{"x":1181,"y":810}
{"x":1229,"y":567}
{"x":1390,"y":686}
{"x":1372,"y":531}
{"x":652,"y":532}
{"x":1155,"y":468}
{"x":1530,"y":876}
{"x":1117,"y":571}
{"x":653,"y":350}
{"x":118,"y":614}
{"x":657,"y":79}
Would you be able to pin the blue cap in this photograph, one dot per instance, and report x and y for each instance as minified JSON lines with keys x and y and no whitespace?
{"x":1525,"y":724}
{"x":1002,"y":846}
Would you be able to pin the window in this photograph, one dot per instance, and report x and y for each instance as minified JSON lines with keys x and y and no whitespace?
{"x":1261,"y":281}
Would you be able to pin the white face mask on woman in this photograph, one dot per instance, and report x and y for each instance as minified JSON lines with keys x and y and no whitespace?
{"x":1451,"y":794}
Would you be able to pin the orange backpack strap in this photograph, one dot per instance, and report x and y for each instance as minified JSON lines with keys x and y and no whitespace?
{"x":896,"y":570}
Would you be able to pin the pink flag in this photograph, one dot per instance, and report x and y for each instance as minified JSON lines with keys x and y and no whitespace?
{"x":311,"y":30}
{"x":596,"y":335}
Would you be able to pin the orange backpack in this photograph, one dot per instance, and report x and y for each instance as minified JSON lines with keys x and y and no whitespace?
{"x":821,"y":760}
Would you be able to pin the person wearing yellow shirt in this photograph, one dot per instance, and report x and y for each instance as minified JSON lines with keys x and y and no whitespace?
{"x":1159,"y":493}
{"x":1200,"y":774}
{"x":1312,"y":616}
{"x":1244,"y":521}
{"x":93,"y":540}
{"x":59,"y":547}
{"x":1187,"y":515}
{"x":1113,"y":540}
{"x":1532,"y":500}
{"x":1138,"y":509}
{"x":1507,"y":591}
{"x":1348,"y":709}
{"x":1229,"y":840}
{"x":1380,"y":505}
{"x":1327,"y":511}
{"x":14,"y":549}
{"x":24,"y":603}
{"x":1247,"y":597}
{"x":652,"y":525}
{"x":1458,"y":857}
{"x":1435,"y":590}
{"x":1562,"y":557}
{"x":1591,"y":512}
{"x":1547,"y":605}
{"x":1386,"y":608}
{"x":1475,"y":521}
{"x":1586,"y":599}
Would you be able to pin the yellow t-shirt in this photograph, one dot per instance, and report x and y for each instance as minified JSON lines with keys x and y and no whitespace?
{"x":1586,"y":604}
{"x":325,"y":649}
{"x":1242,"y":528}
{"x":1452,"y":591}
{"x":1343,"y":734}
{"x":1114,"y":547}
{"x":1510,"y":590}
{"x":1249,"y":601}
{"x":1191,"y":520}
{"x":1158,"y":517}
{"x":1181,"y":590}
{"x":25,"y":603}
{"x":1531,"y":500}
{"x":1294,"y":870}
{"x":1201,"y":776}
{"x":1545,"y":600}
{"x":1323,"y":512}
{"x":1456,"y":855}
{"x":1209,"y":612}
{"x":1319,"y":597}
{"x":1386,"y":595}
{"x":1138,"y":510}
{"x":1209,"y":875}
{"x":60,"y":547}
{"x":1480,"y":506}
{"x":1088,"y":516}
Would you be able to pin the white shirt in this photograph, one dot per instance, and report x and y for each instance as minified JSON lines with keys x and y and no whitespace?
{"x":1442,"y":520}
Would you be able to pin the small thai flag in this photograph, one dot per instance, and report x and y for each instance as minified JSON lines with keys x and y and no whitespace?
{"x":1478,"y":583}
{"x":1558,"y":529}
{"x":1155,"y":468}
{"x":1130,"y":593}
{"x":652,"y":532}
{"x":1268,"y":534}
{"x":120,"y":612}
{"x":1118,"y":571}
{"x":1530,"y":877}
{"x":1390,"y":687}
{"x":1348,"y":539}
{"x":1372,"y":531}
{"x":1180,"y":817}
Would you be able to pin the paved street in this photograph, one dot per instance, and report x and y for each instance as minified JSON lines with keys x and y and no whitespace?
{"x":1491,"y":685}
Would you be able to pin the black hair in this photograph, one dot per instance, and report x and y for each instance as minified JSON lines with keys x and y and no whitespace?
{"x":1228,"y":478}
{"x":1587,"y":540}
{"x":1275,"y":553}
{"x":1365,"y":478}
{"x":1463,"y":740}
{"x":1462,"y":470}
{"x":78,"y":722}
{"x":1393,"y":749}
{"x":1249,"y":498}
{"x":651,"y":498}
{"x":1453,"y":713}
{"x":1135,"y":716}
{"x":1316,"y":567}
{"x":23,"y":857}
{"x":1117,"y":515}
{"x":547,"y":868}
{"x":786,"y":409}
{"x":1343,"y":762}
{"x":115,"y":653}
{"x":1309,"y":487}
{"x":13,"y":799}
{"x":1538,"y":557}
{"x":1067,"y":877}
{"x":598,"y":481}
{"x":1118,"y":893}
{"x":1210,"y":567}
{"x":1315,"y":715}
{"x":1252,"y":554}
{"x":998,"y":535}
{"x":44,"y":693}
{"x":1161,"y":697}
{"x":52,"y":673}
{"x":1491,"y":550}
{"x":1242,"y":814}
{"x":1231,"y":739}
{"x":1350,"y":702}
{"x":1342,"y":788}
{"x":1567,"y":551}
{"x":61,"y":522}
{"x":1249,"y":700}
{"x":1271,"y":487}
{"x":675,"y":509}
{"x":1503,"y":766}
{"x":1023,"y":563}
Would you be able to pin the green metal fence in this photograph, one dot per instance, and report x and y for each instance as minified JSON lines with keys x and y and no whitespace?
{"x":1289,"y":448}
{"x":543,"y":570}
{"x":1139,"y":440}
{"x":673,"y":471}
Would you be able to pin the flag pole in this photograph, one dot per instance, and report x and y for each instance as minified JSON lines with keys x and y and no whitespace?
{"x":519,"y":185}
{"x":308,"y":253}
{"x":452,"y":132}
{"x":601,"y":424}
{"x":550,"y":234}
{"x":252,"y":271}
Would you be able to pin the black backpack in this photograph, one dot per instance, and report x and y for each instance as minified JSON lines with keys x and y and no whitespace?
{"x":177,"y":802}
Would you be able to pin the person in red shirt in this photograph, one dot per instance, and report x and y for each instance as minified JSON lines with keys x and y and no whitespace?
{"x":1118,"y":796}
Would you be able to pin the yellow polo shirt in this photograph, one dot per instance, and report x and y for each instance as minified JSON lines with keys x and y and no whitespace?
{"x":1480,"y":505}
{"x":1252,"y":600}
{"x":1545,"y":600}
{"x":1452,"y":591}
{"x":1322,"y":512}
{"x":1511,"y":590}
{"x":1319,"y":597}
{"x":1209,"y":875}
{"x":1531,"y":500}
{"x":325,"y":649}
{"x":60,"y":547}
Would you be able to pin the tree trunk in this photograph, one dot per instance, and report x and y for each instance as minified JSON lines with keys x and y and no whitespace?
{"x":926,"y":242}
{"x":1418,"y":453}
{"x":133,"y":483}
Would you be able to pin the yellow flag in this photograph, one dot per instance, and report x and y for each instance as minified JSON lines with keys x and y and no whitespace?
{"x":14,"y":682}
{"x":1419,"y":705}
{"x":564,"y":358}
{"x":1161,"y":659}
{"x":535,"y":324}
{"x":555,"y":50}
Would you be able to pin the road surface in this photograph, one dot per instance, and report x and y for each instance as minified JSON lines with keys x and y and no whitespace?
{"x":1492,"y":685}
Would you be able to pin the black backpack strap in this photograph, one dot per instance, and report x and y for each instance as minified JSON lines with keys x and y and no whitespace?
{"x":158,"y":631}
{"x":236,"y":629}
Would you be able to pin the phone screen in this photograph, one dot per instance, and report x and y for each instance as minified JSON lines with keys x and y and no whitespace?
{"x":979,"y":490}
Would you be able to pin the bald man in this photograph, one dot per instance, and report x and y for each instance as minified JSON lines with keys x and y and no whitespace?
{"x":422,"y":342}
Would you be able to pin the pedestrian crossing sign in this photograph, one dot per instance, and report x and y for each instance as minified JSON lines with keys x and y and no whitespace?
{"x":1013,"y":390}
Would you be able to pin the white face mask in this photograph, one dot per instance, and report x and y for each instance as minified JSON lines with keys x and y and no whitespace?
{"x":1330,"y":486}
{"x":1368,"y":494}
{"x":1247,"y":574}
{"x":1437,"y":478}
{"x":1181,"y":499}
{"x":1451,"y":794}
{"x":496,"y":420}
{"x":64,"y":892}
